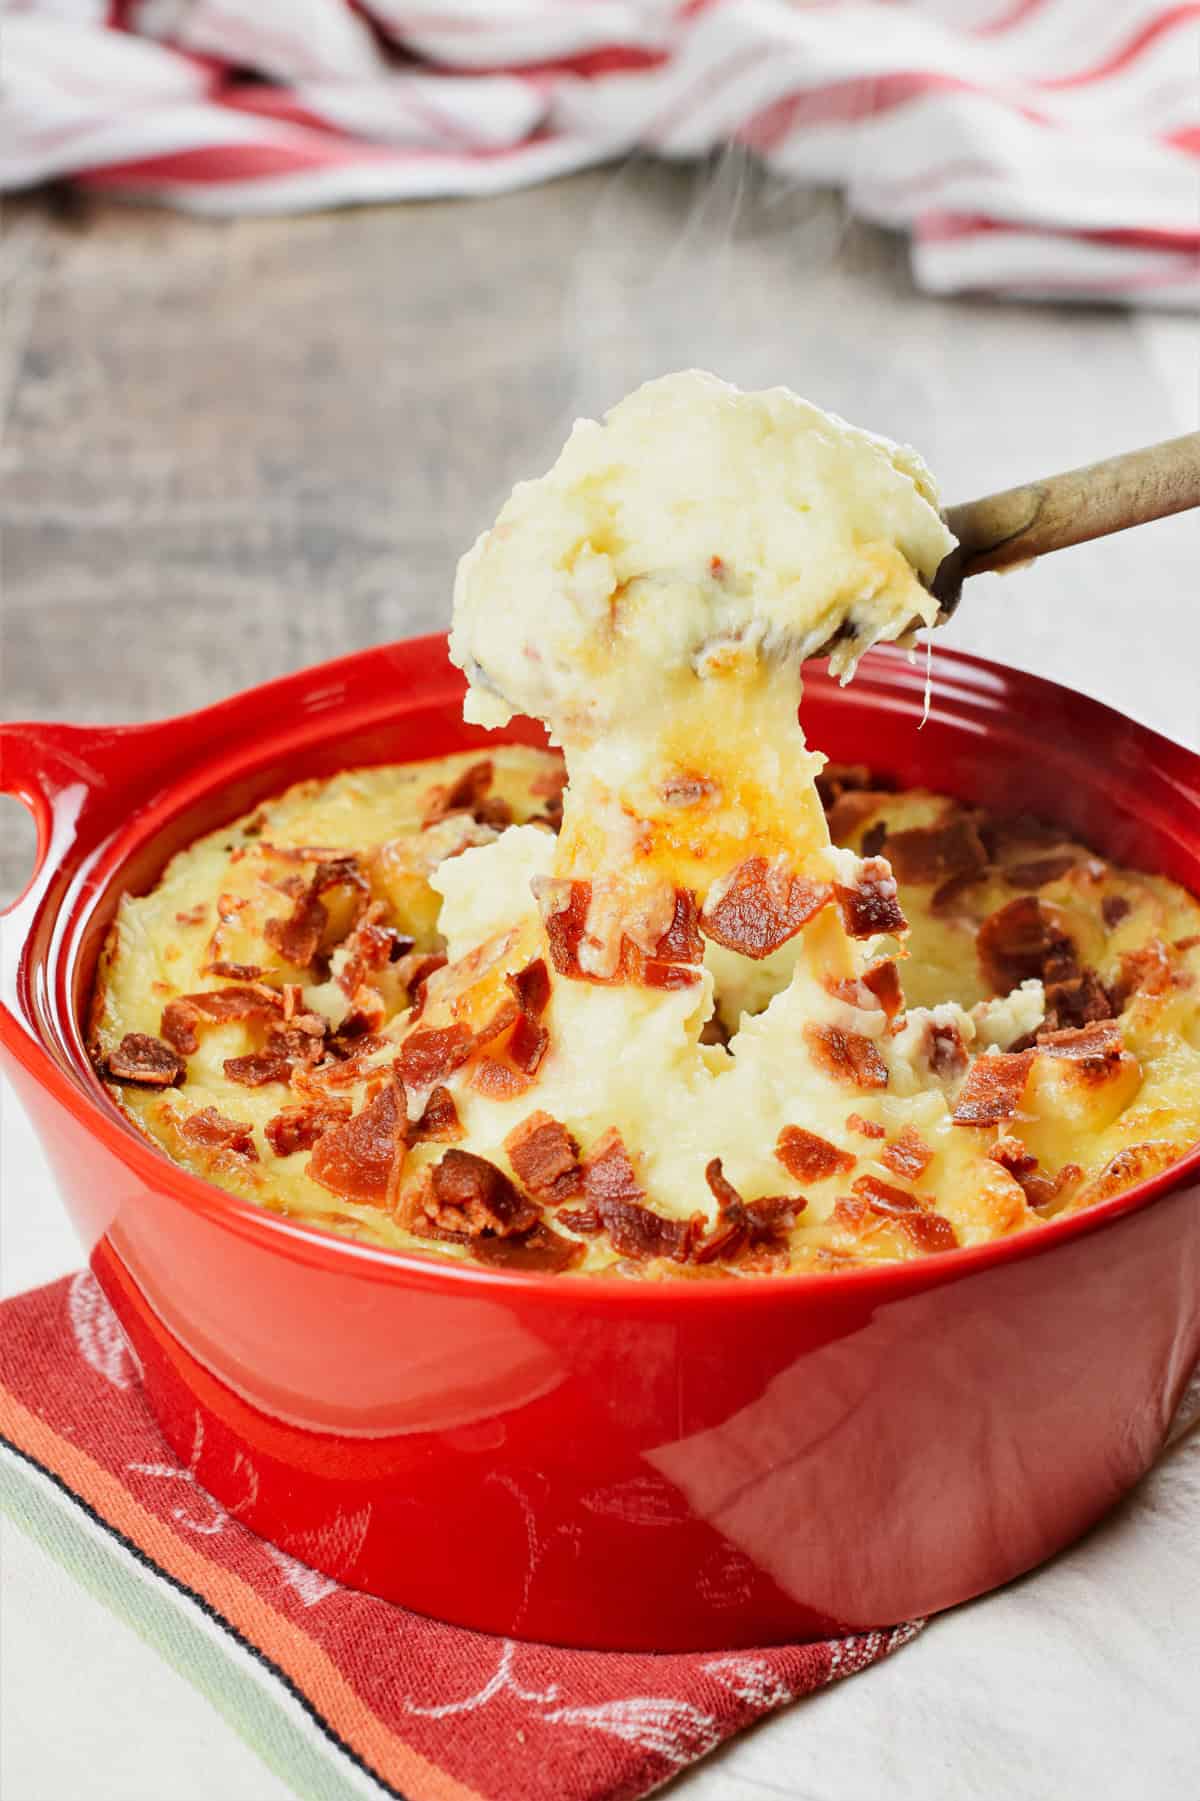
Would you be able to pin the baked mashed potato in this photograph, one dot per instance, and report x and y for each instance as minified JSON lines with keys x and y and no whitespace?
{"x":709,"y":1007}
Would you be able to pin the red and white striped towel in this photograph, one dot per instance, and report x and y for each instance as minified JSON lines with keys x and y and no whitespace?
{"x":1044,"y":148}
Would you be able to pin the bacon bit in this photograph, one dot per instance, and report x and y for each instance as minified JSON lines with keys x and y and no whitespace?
{"x":837,"y":779}
{"x":1096,"y":1047}
{"x":545,"y":1157}
{"x":414,"y":972}
{"x":472,"y":1196}
{"x":1041,"y":870}
{"x":1114,"y":908}
{"x":432,"y":1053}
{"x":470,"y":794}
{"x":301,"y":1041}
{"x":257,"y":1002}
{"x":810,"y":1158}
{"x":846,"y":814}
{"x":760,"y":906}
{"x":753,"y":1232}
{"x":145,"y":1061}
{"x":213,"y":1130}
{"x":883,"y":980}
{"x":610,"y":1184}
{"x":1076,"y":1002}
{"x":945,"y":1052}
{"x":846,"y":1056}
{"x":297,"y":937}
{"x":531,"y":986}
{"x":992,"y":1091}
{"x":178,"y":1026}
{"x":1023,"y":940}
{"x":233,"y":972}
{"x":565,"y":906}
{"x":439,"y":1122}
{"x":581,"y":1219}
{"x":499,"y":1081}
{"x":370,"y":945}
{"x":541,"y":1250}
{"x":1189,"y":943}
{"x":871,"y":907}
{"x":1144,"y":971}
{"x":945,"y":898}
{"x":1011,"y":1155}
{"x":687,"y":789}
{"x":935,"y":853}
{"x":256,"y":1070}
{"x":908,"y":1155}
{"x":192,"y":916}
{"x":360,"y":1160}
{"x":298,"y":1128}
{"x":926,"y":1229}
{"x":527,"y":1045}
{"x":681,"y":942}
{"x":1043,"y":1191}
{"x":868,"y":1128}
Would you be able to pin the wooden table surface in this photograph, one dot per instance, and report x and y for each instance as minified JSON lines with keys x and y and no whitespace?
{"x":231,"y":449}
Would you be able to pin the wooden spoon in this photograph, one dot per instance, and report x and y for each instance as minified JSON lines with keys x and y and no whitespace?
{"x":1003,"y":530}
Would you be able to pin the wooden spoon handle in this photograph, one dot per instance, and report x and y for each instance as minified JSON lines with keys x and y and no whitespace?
{"x":1022,"y":523}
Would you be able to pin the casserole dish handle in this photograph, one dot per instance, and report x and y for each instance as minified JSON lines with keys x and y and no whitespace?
{"x":68,"y":776}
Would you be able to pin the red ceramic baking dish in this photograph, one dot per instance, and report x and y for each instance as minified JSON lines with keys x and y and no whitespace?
{"x":602,"y":1462}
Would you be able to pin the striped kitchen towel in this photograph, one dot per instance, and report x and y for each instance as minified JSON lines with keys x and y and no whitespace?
{"x":342,"y":1695}
{"x":1044,"y":148}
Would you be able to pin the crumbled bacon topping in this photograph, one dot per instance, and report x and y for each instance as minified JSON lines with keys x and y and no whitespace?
{"x":1022,"y":940}
{"x":566,"y":907}
{"x":215,"y":1132}
{"x":1143,"y":971}
{"x":871,"y":907}
{"x":439,"y":1119}
{"x":255,"y":1001}
{"x":945,"y":1052}
{"x":361,"y":1159}
{"x":233,"y":972}
{"x":760,"y":906}
{"x":846,"y":1056}
{"x":431,"y":1053}
{"x":809,"y":1157}
{"x":992,"y":1091}
{"x":297,"y":936}
{"x":414,"y":971}
{"x":1040,"y":1190}
{"x":531,"y":986}
{"x":257,"y":1069}
{"x":1011,"y":1155}
{"x":883,"y":979}
{"x":178,"y":1026}
{"x":1075,"y":1002}
{"x":612,"y":1188}
{"x":1114,"y":908}
{"x":1041,"y":870}
{"x":908,"y":1155}
{"x":927,"y":1229}
{"x":146,"y":1061}
{"x":545,"y":1157}
{"x":471,"y":794}
{"x":539,"y":1251}
{"x":752,"y":1233}
{"x":298,"y":1128}
{"x":867,"y":1128}
{"x":371,"y":945}
{"x":934,"y":853}
{"x":470,"y":1195}
{"x":836,"y":779}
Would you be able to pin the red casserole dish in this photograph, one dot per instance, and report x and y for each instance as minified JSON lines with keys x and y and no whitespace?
{"x":606,"y":1463}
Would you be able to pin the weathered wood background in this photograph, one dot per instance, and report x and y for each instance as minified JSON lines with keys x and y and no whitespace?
{"x":233,"y":448}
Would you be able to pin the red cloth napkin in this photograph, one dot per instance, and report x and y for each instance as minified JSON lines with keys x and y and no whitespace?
{"x":344,"y":1694}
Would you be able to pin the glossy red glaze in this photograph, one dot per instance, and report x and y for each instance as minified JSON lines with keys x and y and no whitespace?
{"x":605,"y":1463}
